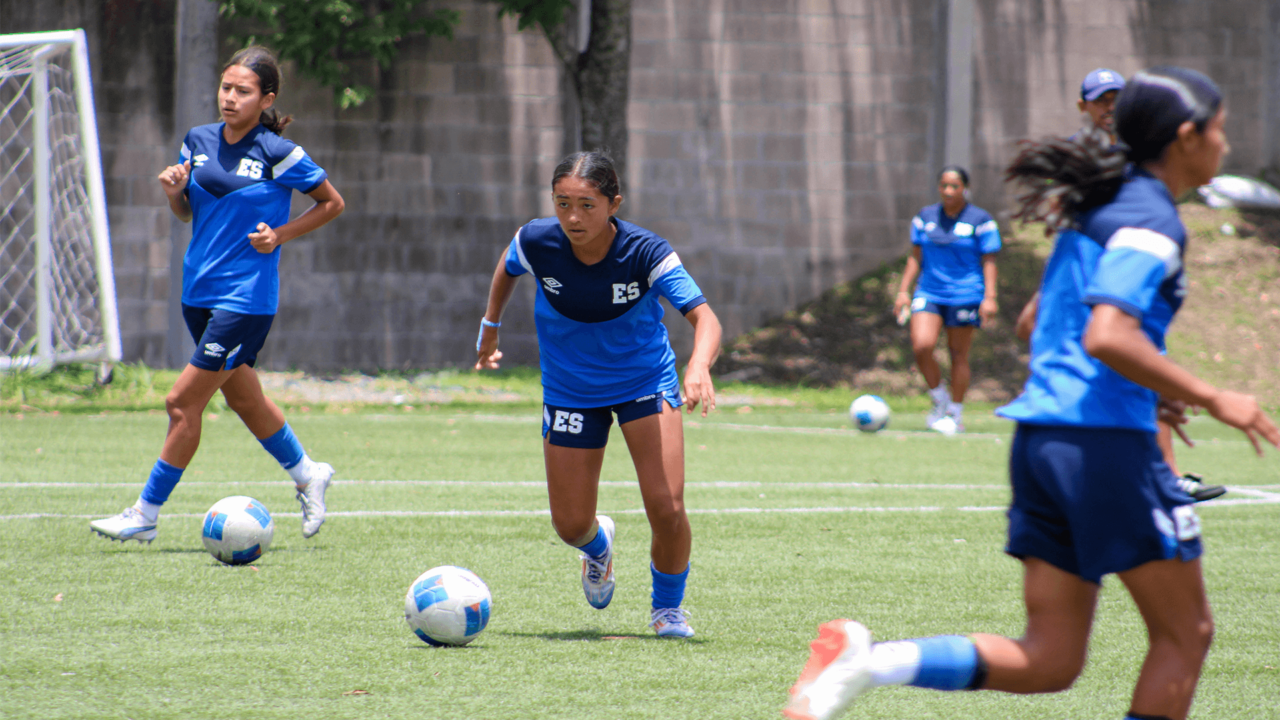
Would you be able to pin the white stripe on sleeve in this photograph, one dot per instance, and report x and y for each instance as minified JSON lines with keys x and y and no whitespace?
{"x":1162,"y":247}
{"x":669,"y":263}
{"x":284,"y":165}
{"x":185,"y":154}
{"x":986,"y":227}
{"x":524,"y":262}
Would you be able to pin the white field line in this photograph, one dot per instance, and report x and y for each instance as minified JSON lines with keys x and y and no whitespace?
{"x":718,"y":485}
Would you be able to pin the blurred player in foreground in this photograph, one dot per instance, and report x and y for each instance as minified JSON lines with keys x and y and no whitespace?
{"x":605,"y":351}
{"x":953,"y":253}
{"x":1091,"y":494}
{"x":1098,"y":94}
{"x":235,"y":179}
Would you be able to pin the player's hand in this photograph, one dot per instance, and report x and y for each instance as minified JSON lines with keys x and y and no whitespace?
{"x":1242,"y":412}
{"x":987,"y":310}
{"x":1173,"y":412}
{"x":902,"y":308}
{"x":264,"y":240}
{"x":699,"y":389}
{"x":173,"y":179}
{"x":487,"y":350}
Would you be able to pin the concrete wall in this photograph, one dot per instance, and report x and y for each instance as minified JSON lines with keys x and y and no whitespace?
{"x":781,"y":145}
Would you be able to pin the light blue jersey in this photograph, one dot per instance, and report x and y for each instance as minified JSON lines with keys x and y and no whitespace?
{"x":951,"y":253}
{"x":600,"y":331}
{"x":232,"y":188}
{"x":1127,"y":253}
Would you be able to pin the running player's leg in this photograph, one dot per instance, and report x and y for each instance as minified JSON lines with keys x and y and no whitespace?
{"x":1171,"y":597}
{"x":263,"y":418}
{"x":573,"y":449}
{"x":959,"y":340}
{"x":925,"y":325}
{"x":656,"y":443}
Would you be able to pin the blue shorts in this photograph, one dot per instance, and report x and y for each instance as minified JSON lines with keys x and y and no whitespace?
{"x":225,"y":340}
{"x":589,"y":427}
{"x":952,"y":315}
{"x":1093,"y":501}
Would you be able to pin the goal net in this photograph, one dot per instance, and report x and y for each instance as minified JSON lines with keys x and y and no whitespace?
{"x":57,"y":292}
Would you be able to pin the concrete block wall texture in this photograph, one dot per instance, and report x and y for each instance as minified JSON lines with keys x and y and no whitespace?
{"x":780,"y":145}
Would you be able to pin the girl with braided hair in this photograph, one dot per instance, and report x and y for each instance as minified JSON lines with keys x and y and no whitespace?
{"x":1091,"y":494}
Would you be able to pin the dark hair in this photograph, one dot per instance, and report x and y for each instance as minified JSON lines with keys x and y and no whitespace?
{"x":264,"y":65}
{"x":964,"y":174}
{"x":594,"y":167}
{"x":1059,"y":178}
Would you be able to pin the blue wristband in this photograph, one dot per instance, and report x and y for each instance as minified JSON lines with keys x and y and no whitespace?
{"x":484,"y":323}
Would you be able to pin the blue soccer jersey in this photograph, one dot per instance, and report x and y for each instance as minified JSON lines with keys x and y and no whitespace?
{"x":951,"y":253}
{"x":600,"y":331}
{"x":232,"y":188}
{"x":1127,"y":253}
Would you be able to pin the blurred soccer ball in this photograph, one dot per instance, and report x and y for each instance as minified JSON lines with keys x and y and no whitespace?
{"x":869,"y":413}
{"x":237,"y":530}
{"x":447,"y":605}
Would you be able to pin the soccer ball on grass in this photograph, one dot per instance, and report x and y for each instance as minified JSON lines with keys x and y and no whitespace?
{"x":447,"y":605}
{"x":869,"y":413}
{"x":237,"y":530}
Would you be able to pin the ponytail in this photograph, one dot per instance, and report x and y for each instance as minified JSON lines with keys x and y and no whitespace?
{"x":1056,"y":179}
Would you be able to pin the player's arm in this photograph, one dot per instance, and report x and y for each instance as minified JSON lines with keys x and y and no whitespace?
{"x":706,"y":348}
{"x":1116,"y":338}
{"x":1027,"y":318}
{"x":909,"y":275}
{"x":500,"y":291}
{"x":329,"y":205}
{"x":988,"y":309}
{"x":173,"y":180}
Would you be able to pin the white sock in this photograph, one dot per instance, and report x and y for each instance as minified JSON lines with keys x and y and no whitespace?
{"x":149,"y":511}
{"x":956,"y":411}
{"x":301,"y":473}
{"x":894,"y":663}
{"x":941,"y":396}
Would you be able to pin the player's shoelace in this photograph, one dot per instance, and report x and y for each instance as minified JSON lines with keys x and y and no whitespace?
{"x":670,"y":616}
{"x":595,"y":570}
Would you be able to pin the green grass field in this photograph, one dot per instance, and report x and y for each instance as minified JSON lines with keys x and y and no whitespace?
{"x":797,"y":519}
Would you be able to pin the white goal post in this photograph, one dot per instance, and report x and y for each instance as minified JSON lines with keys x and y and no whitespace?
{"x":57,"y":291}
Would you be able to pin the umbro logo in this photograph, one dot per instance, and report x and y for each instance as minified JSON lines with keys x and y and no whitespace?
{"x":213,"y":349}
{"x":199,"y":160}
{"x":551,"y":284}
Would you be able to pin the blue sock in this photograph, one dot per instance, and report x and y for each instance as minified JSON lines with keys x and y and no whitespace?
{"x":668,"y":590}
{"x":947,"y":662}
{"x":598,"y":546}
{"x":163,"y":479}
{"x":284,"y":447}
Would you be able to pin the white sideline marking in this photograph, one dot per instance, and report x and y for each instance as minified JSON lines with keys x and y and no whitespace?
{"x":717,"y":484}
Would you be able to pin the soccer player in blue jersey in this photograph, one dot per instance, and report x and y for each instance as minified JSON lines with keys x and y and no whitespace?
{"x":1091,"y":493}
{"x":954,"y":246}
{"x":605,"y":352}
{"x":1098,"y":92}
{"x":235,"y":179}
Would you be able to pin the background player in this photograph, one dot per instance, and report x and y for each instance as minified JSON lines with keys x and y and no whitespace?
{"x":235,"y":180}
{"x":1097,"y":101}
{"x":1091,"y":494}
{"x":605,"y":351}
{"x":953,"y":253}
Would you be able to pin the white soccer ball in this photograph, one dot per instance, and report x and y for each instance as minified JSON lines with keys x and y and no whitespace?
{"x":447,"y":605}
{"x":237,"y":530}
{"x":869,"y":413}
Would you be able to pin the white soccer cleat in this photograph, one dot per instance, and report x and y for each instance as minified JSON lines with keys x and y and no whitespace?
{"x":311,"y":497}
{"x":839,"y":669}
{"x":128,"y":525}
{"x":597,"y":576}
{"x":670,"y":623}
{"x":946,"y":425}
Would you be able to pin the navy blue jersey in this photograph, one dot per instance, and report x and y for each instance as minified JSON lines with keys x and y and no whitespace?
{"x":1127,"y":253}
{"x":951,"y":251}
{"x":232,"y":188}
{"x":600,"y":331}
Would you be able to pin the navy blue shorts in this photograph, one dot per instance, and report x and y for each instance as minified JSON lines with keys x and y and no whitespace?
{"x":225,"y":340}
{"x":589,"y":427}
{"x":1093,"y":501}
{"x":952,"y":315}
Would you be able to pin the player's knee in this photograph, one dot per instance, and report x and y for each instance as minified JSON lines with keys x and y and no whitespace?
{"x":1061,"y":675}
{"x":574,"y":531}
{"x":668,"y":519}
{"x":923,"y":351}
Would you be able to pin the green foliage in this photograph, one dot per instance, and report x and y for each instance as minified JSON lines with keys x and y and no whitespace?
{"x":323,"y":36}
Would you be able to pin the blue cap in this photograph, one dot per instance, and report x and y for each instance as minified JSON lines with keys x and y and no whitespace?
{"x":1098,"y":82}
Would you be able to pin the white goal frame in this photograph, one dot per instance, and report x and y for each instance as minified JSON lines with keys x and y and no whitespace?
{"x":68,"y":327}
